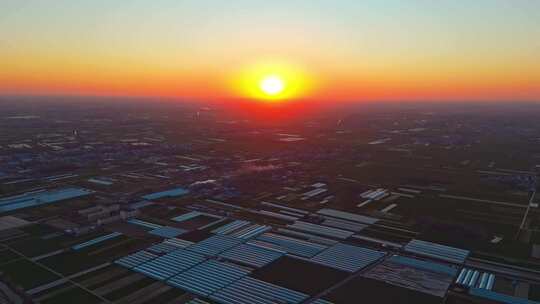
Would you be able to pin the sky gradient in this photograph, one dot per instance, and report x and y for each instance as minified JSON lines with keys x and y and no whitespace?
{"x":351,"y":50}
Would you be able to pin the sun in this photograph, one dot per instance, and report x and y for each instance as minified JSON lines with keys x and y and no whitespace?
{"x":272,"y":85}
{"x":270,"y":81}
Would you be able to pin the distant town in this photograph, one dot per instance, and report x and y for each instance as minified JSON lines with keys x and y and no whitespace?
{"x":155,"y":202}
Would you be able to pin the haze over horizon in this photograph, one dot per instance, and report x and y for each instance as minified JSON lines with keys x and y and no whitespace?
{"x":336,"y":50}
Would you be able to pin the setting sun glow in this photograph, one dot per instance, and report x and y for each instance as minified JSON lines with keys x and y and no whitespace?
{"x":272,"y":82}
{"x":272,"y":85}
{"x":329,"y":51}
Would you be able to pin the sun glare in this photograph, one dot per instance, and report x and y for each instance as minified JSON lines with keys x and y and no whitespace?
{"x":271,"y":82}
{"x":272,"y":85}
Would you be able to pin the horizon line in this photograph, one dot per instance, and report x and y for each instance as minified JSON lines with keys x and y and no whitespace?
{"x":188,"y":99}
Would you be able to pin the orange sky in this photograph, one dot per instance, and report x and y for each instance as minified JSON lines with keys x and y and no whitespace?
{"x":440,"y":50}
